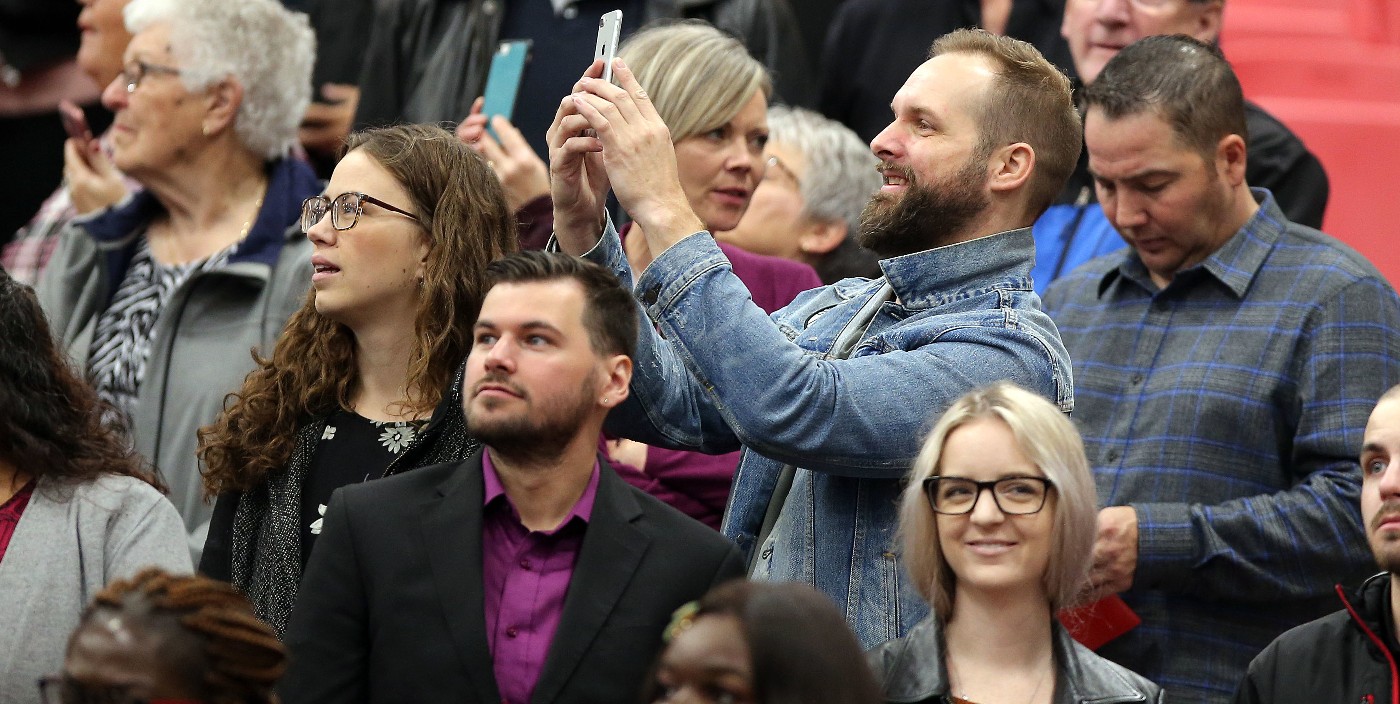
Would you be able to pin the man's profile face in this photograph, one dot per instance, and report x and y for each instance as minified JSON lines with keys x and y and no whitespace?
{"x":935,"y":174}
{"x":1380,"y":487}
{"x":1167,"y":201}
{"x":533,"y":378}
{"x":1097,"y":29}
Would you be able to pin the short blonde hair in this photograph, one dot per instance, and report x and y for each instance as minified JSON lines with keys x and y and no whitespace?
{"x":698,"y":77}
{"x":1048,"y":438}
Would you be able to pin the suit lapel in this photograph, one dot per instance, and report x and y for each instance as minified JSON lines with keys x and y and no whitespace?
{"x":612,"y":548}
{"x":451,"y":524}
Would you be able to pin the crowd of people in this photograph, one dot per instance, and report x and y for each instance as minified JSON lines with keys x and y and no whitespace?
{"x":322,"y":384}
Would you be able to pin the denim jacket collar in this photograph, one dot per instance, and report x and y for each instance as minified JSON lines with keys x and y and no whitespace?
{"x":933,"y":277}
{"x":914,"y":670}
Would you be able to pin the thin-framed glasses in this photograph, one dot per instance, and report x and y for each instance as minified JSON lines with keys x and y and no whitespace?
{"x":1015,"y":496}
{"x":135,"y":71}
{"x":345,"y":210}
{"x":775,"y":165}
{"x":62,"y":689}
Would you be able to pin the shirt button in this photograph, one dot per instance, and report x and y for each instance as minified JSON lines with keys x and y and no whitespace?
{"x":1112,"y":455}
{"x":489,"y":7}
{"x":570,"y":12}
{"x":1137,"y":379}
{"x":512,"y":632}
{"x":650,"y":296}
{"x":525,"y":564}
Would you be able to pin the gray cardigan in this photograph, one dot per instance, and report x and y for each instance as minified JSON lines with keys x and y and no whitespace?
{"x":70,"y":542}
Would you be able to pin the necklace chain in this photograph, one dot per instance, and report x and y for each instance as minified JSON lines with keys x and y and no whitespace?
{"x":961,"y":696}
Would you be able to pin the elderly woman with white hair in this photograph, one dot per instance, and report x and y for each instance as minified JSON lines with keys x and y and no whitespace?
{"x":998,"y":525}
{"x":161,"y":296}
{"x":818,"y":178}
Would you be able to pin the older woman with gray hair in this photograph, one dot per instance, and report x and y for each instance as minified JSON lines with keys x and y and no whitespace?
{"x":161,"y":296}
{"x":818,"y":178}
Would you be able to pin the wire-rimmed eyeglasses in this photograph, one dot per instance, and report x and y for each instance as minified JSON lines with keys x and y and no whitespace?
{"x":135,"y":71}
{"x":775,"y":165}
{"x":1015,"y":496}
{"x":345,"y":210}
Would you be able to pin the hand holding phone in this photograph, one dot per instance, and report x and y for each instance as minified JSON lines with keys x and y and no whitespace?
{"x":75,"y":123}
{"x":609,"y":32}
{"x":503,"y":80}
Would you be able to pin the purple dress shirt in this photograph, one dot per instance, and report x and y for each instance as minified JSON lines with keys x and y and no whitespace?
{"x":525,"y":575}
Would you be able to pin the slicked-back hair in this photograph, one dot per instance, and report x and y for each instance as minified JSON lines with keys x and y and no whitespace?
{"x":609,"y":313}
{"x":698,"y":77}
{"x":1049,"y":440}
{"x":208,"y":629}
{"x":1184,"y":81}
{"x":1030,"y":101}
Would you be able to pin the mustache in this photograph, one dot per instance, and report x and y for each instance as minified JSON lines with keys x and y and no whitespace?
{"x":1389,"y":510}
{"x":904,"y":172}
{"x":498,"y":380}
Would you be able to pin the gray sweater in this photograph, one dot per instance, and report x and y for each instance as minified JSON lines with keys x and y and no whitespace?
{"x":70,"y":542}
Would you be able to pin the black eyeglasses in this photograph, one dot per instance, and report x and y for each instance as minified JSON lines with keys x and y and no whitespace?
{"x":345,"y":210}
{"x":135,"y":71}
{"x":62,"y":689}
{"x":1015,"y":496}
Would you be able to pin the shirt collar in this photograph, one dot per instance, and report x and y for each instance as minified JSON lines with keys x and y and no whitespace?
{"x":1234,"y":264}
{"x":935,"y":276}
{"x":494,"y":490}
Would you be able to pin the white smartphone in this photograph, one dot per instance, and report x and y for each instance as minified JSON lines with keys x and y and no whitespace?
{"x":609,"y":31}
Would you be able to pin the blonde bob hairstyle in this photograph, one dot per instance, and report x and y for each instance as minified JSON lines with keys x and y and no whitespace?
{"x":698,"y":77}
{"x":1048,"y":438}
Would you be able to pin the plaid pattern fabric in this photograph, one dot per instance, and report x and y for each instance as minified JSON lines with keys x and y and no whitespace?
{"x":1228,"y":410}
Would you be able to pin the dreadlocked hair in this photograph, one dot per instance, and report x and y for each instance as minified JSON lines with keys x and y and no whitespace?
{"x":239,"y":655}
{"x":460,"y":204}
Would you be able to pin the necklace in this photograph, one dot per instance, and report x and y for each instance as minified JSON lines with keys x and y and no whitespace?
{"x":248,"y":224}
{"x":961,"y":696}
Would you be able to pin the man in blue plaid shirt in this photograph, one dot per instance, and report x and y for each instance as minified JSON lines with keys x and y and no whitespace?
{"x":1224,"y":368}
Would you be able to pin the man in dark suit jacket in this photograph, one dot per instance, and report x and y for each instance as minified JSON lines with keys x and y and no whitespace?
{"x":530,"y":572}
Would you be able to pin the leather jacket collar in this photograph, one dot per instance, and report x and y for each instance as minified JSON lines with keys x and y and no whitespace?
{"x":913,"y":670}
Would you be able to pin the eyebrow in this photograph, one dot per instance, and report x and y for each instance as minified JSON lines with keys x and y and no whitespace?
{"x":528,"y":325}
{"x":1149,"y":173}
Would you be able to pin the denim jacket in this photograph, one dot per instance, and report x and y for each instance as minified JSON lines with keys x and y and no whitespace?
{"x":714,"y":373}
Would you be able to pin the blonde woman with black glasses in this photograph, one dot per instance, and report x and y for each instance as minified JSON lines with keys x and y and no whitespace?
{"x":998,"y":525}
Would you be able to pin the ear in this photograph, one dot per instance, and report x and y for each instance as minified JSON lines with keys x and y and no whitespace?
{"x":819,"y":237}
{"x":1231,"y":159}
{"x":618,"y":379}
{"x":1206,"y":26}
{"x":1010,"y":168}
{"x":222,"y":102}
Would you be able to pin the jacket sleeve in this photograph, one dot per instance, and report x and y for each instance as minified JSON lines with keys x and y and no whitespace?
{"x":146,"y":531}
{"x":327,"y":633}
{"x":714,"y":369}
{"x":216,"y":562}
{"x":1296,"y":543}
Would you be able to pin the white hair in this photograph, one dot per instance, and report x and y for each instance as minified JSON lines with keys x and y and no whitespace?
{"x":268,"y":49}
{"x":840,"y":176}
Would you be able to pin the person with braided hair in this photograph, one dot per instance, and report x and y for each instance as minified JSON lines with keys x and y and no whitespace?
{"x":77,"y":508}
{"x":159,"y":636}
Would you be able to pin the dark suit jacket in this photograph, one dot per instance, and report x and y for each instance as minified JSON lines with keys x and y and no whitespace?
{"x":391,"y":606}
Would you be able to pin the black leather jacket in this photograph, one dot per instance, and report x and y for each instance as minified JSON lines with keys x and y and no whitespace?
{"x":911,"y":671}
{"x":1347,"y":656}
{"x":427,"y":59}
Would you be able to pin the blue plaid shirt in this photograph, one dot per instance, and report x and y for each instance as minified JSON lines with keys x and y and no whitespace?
{"x":1228,"y":410}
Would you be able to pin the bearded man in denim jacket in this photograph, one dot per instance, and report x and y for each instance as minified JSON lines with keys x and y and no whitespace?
{"x":831,"y":396}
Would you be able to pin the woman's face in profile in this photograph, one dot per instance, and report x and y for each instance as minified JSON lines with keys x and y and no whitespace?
{"x":1001,"y":546}
{"x":707,"y":663}
{"x":720,"y":169}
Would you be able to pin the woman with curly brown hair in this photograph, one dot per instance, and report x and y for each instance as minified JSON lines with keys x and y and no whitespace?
{"x":407,"y":224}
{"x":77,"y":508}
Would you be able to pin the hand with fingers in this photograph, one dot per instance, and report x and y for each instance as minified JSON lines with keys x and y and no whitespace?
{"x":523,"y":174}
{"x":93,"y":181}
{"x":578,"y":182}
{"x":1115,"y":552}
{"x":327,"y":123}
{"x":637,"y":154}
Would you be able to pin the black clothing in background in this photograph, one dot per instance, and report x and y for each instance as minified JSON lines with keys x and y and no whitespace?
{"x":874,"y":45}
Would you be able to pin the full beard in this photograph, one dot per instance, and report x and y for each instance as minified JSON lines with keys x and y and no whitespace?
{"x":538,"y":435}
{"x":923,"y":218}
